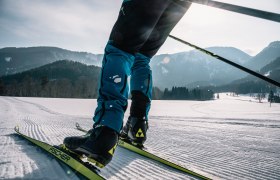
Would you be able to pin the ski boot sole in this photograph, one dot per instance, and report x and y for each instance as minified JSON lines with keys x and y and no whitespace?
{"x":82,"y":154}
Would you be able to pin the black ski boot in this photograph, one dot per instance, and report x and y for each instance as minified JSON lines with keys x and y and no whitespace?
{"x":98,"y":145}
{"x":134,"y":131}
{"x":136,"y":126}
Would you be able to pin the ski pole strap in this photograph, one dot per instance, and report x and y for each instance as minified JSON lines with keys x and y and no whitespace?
{"x":239,"y":9}
{"x":228,"y":62}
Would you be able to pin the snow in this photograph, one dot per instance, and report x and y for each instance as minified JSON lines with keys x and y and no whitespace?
{"x":228,"y":138}
{"x":267,"y":73}
{"x":8,"y":59}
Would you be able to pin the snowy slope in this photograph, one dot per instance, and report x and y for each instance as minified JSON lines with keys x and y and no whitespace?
{"x":229,"y":138}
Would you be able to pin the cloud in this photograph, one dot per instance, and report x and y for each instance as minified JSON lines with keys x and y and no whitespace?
{"x":86,"y":25}
{"x":68,"y":18}
{"x":58,"y":22}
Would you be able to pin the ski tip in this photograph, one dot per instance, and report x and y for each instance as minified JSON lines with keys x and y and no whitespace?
{"x":77,"y":125}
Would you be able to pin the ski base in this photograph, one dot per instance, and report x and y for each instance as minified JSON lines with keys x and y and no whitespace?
{"x":71,"y":159}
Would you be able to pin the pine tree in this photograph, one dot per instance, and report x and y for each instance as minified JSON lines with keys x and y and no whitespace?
{"x":2,"y":87}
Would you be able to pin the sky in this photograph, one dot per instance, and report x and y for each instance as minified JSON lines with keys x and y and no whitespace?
{"x":86,"y":25}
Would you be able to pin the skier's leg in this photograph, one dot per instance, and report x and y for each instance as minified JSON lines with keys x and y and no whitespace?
{"x":141,"y":91}
{"x":133,"y":27}
{"x":141,"y":78}
{"x":136,"y":21}
{"x":171,"y":16}
{"x":113,"y":89}
{"x":141,"y":85}
{"x":100,"y":142}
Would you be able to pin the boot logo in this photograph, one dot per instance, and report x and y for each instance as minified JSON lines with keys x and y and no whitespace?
{"x":112,"y":150}
{"x":140,"y":133}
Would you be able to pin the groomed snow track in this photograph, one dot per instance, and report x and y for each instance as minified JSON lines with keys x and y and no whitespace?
{"x":230,"y":138}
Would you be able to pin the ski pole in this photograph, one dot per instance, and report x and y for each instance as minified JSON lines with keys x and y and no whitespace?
{"x":240,"y":9}
{"x":228,"y":62}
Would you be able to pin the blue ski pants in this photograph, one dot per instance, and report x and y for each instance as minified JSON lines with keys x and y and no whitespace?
{"x":140,"y":30}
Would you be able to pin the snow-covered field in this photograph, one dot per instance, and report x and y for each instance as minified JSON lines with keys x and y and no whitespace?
{"x":228,"y":138}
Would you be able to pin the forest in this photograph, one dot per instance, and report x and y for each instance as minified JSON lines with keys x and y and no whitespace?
{"x":69,"y":79}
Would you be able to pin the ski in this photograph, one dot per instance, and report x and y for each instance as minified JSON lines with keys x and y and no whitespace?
{"x":154,"y":157}
{"x":84,"y":168}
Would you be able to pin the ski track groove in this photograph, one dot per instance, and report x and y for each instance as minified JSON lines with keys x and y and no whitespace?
{"x":239,"y":173}
{"x":54,"y":138}
{"x":21,"y":167}
{"x":214,"y":156}
{"x":17,"y":169}
{"x":222,"y":171}
{"x":31,"y":125}
{"x":141,"y":168}
{"x":26,"y":169}
{"x":116,"y":168}
{"x":159,"y":172}
{"x":3,"y":171}
{"x":122,"y":159}
{"x":5,"y":141}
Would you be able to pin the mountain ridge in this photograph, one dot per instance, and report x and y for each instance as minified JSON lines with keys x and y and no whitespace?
{"x":14,"y":60}
{"x":264,"y":57}
{"x":189,"y":68}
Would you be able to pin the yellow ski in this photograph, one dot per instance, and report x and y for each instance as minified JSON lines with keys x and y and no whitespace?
{"x":85,"y":169}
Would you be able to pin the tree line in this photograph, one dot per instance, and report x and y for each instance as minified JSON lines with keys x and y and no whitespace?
{"x":183,"y":93}
{"x":61,"y":79}
{"x":68,"y":79}
{"x":83,"y":87}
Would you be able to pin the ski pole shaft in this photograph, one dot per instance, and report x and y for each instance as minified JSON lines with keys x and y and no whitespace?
{"x":240,"y":9}
{"x":229,"y":62}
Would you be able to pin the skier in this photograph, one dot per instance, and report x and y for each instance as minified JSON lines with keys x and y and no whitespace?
{"x":140,"y":30}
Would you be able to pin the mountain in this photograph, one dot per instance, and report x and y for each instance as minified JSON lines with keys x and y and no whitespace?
{"x":194,"y":68}
{"x":251,"y":84}
{"x":191,"y":68}
{"x":59,"y":79}
{"x":14,"y":60}
{"x":267,"y":55}
{"x":272,"y":69}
